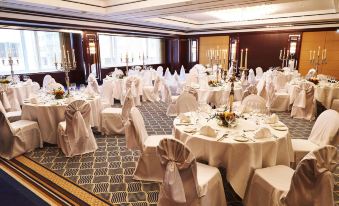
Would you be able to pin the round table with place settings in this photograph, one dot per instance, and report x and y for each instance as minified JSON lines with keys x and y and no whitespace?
{"x":236,"y":149}
{"x":49,"y":112}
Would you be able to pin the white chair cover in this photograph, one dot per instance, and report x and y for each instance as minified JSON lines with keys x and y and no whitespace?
{"x":93,"y":83}
{"x":182,"y":74}
{"x":18,"y":137}
{"x":182,"y":183}
{"x":259,"y":73}
{"x":304,"y":104}
{"x":310,"y":184}
{"x":252,"y":89}
{"x":152,"y":93}
{"x":148,"y":167}
{"x":167,"y":75}
{"x":53,"y":86}
{"x":280,"y":81}
{"x":4,"y":99}
{"x":253,"y":103}
{"x":46,"y":81}
{"x":310,"y":73}
{"x":134,"y":84}
{"x":147,"y":78}
{"x":251,"y":77}
{"x":113,"y":119}
{"x":160,"y":71}
{"x":186,"y":102}
{"x":75,"y":136}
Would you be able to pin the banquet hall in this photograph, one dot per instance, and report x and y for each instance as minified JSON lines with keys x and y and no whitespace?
{"x":169,"y":102}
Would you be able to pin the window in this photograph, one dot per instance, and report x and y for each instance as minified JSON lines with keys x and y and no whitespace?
{"x":114,"y":49}
{"x":194,"y":48}
{"x":32,"y":51}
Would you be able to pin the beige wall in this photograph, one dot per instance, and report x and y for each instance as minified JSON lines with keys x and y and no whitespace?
{"x":211,"y":42}
{"x":325,"y":39}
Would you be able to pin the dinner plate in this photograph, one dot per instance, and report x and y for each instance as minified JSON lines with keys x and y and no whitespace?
{"x":240,"y":139}
{"x":280,"y":128}
{"x":190,"y":129}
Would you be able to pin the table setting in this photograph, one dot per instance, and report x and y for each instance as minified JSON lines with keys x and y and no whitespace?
{"x":48,"y":110}
{"x":239,"y":142}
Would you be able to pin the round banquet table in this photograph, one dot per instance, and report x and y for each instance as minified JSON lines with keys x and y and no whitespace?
{"x":240,"y":159}
{"x":48,"y":114}
{"x":218,"y":96}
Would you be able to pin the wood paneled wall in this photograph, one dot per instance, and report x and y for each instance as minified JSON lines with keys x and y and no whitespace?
{"x":328,"y":40}
{"x":212,"y":42}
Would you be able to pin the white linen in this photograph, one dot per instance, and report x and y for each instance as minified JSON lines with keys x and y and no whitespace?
{"x":228,"y":153}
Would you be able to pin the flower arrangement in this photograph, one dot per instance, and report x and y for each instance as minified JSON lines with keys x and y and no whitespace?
{"x":213,"y":83}
{"x":314,"y":80}
{"x":58,"y":93}
{"x":4,"y":81}
{"x":225,"y":118}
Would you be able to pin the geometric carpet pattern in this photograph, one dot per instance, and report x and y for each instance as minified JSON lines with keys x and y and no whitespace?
{"x":108,"y":172}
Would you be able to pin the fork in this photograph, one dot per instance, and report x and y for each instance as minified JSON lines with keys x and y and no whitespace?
{"x":222,"y":137}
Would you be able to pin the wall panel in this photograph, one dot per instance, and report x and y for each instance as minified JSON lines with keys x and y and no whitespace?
{"x":211,"y":42}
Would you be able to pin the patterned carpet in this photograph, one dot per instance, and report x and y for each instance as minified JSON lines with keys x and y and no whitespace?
{"x":108,"y":172}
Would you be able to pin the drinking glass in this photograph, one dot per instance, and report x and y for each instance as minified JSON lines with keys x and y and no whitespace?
{"x":82,"y":87}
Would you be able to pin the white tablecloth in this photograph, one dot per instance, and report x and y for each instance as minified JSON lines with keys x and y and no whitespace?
{"x":218,"y":96}
{"x":240,"y":159}
{"x":48,"y":116}
{"x":17,"y":93}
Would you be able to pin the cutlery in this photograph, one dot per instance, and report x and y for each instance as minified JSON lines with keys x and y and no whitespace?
{"x":185,"y":124}
{"x":222,"y":137}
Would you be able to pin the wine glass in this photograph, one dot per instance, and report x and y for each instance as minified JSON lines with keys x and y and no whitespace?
{"x":82,"y":87}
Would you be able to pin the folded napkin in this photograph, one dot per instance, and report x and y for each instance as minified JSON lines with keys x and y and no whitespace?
{"x":208,"y":131}
{"x":34,"y":100}
{"x":184,"y":118}
{"x":29,"y":81}
{"x":262,"y":132}
{"x":272,"y":119}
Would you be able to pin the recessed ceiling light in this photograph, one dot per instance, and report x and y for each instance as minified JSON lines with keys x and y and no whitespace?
{"x":244,"y":13}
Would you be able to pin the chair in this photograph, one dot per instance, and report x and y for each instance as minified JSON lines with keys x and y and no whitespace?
{"x":75,"y":136}
{"x":167,"y":75}
{"x":112,"y":119}
{"x":151,"y":93}
{"x":148,"y":167}
{"x":282,"y":98}
{"x":160,"y":71}
{"x":46,"y":81}
{"x":251,"y":77}
{"x":182,"y":75}
{"x":259,"y":73}
{"x":93,"y":83}
{"x":18,"y":137}
{"x":186,"y":102}
{"x":251,"y":89}
{"x":310,"y":184}
{"x":325,"y":131}
{"x":304,"y":104}
{"x":310,"y":73}
{"x":11,"y":116}
{"x":187,"y":182}
{"x":253,"y":103}
{"x":134,"y":84}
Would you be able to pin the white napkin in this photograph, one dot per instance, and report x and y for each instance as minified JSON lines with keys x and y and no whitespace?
{"x":262,"y":132}
{"x":34,"y":100}
{"x":208,"y":131}
{"x":272,"y":119}
{"x":184,"y":118}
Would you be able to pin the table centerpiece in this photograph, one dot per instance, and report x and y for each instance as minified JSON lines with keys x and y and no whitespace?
{"x":59,"y":93}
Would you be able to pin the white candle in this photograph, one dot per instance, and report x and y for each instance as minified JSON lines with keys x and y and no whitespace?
{"x":241,"y":54}
{"x":325,"y":56}
{"x":322,"y":54}
{"x":55,"y":60}
{"x":313,"y":54}
{"x":68,"y":59}
{"x":280,"y":56}
{"x":246,"y":58}
{"x":64,"y":50}
{"x":310,"y":55}
{"x":318,"y":51}
{"x":73,"y":55}
{"x":288,"y":52}
{"x":284,"y":53}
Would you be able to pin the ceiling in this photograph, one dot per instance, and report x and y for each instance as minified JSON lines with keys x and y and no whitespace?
{"x":171,"y":17}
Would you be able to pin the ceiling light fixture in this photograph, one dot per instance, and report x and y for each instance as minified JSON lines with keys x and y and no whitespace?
{"x":243,"y":14}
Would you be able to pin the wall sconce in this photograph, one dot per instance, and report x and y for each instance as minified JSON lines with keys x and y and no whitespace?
{"x":91,"y":47}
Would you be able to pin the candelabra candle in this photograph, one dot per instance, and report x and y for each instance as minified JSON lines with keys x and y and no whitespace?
{"x":127,"y":60}
{"x":316,"y":61}
{"x":11,"y":63}
{"x":284,"y":56}
{"x":66,"y":66}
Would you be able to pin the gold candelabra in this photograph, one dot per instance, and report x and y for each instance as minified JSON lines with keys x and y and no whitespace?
{"x":217,"y":57}
{"x":243,"y":67}
{"x":126,"y":60}
{"x":66,"y":65}
{"x":11,"y":63}
{"x":284,"y":56}
{"x":231,"y":98}
{"x":316,"y":61}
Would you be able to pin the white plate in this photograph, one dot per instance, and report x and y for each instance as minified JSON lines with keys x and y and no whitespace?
{"x":190,"y":129}
{"x":280,"y":128}
{"x":240,"y":139}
